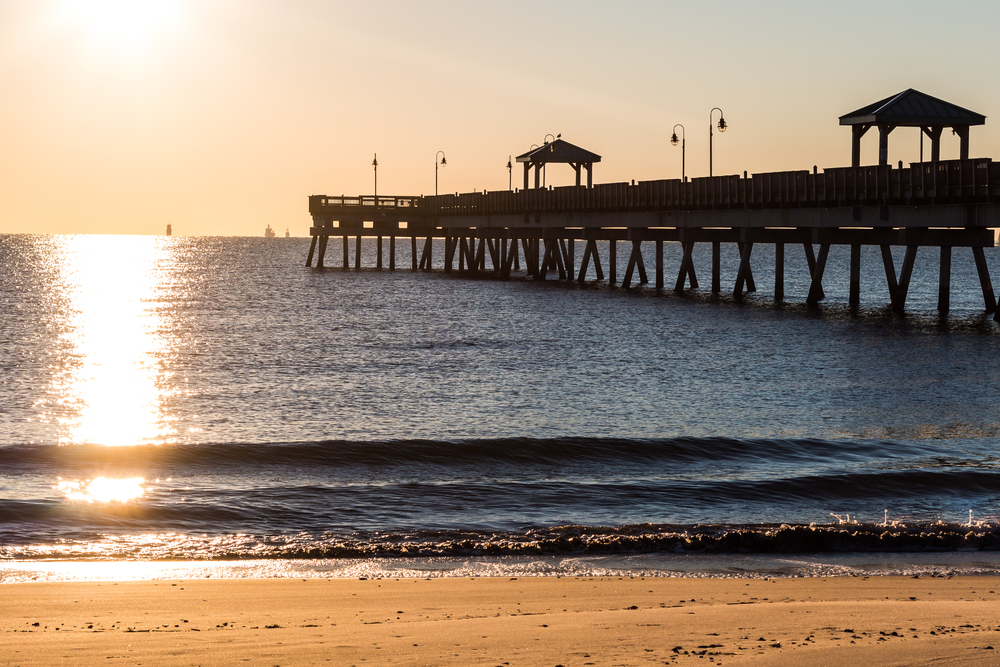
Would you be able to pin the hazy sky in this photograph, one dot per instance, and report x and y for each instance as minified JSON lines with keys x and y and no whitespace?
{"x":222,"y":116}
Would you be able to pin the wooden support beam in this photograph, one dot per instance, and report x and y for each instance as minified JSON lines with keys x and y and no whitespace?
{"x":629,"y":268}
{"x":312,"y":248}
{"x":585,"y":260}
{"x":612,"y":262}
{"x":357,"y":253}
{"x":514,"y":251}
{"x":347,"y":252}
{"x":525,"y":245}
{"x":546,"y":260}
{"x":751,"y":285}
{"x":854,"y":298}
{"x":449,"y":253}
{"x":557,"y":255}
{"x":816,"y":287}
{"x":640,"y":263}
{"x":413,"y":251}
{"x":890,"y":274}
{"x":904,"y":278}
{"x":378,"y":251}
{"x":779,"y":272}
{"x":493,"y":245}
{"x":462,"y":253}
{"x":984,"y":280}
{"x":944,"y":281}
{"x":811,"y":261}
{"x":503,"y":255}
{"x":392,"y":253}
{"x":716,"y":267}
{"x":511,"y":257}
{"x":481,"y":255}
{"x":323,"y":240}
{"x":746,"y":249}
{"x":659,"y":264}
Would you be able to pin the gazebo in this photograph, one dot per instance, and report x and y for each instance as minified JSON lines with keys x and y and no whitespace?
{"x":910,"y":108}
{"x":559,"y":151}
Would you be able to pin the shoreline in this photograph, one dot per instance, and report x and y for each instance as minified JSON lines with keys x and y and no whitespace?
{"x":512,"y":620}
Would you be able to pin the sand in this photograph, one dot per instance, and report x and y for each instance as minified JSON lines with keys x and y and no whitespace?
{"x":524,"y":621}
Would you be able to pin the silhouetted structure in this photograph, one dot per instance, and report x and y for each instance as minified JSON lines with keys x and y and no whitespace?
{"x":559,"y":151}
{"x":910,"y":108}
{"x":943,"y":204}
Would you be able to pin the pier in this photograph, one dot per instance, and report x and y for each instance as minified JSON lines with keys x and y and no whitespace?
{"x":939,"y":204}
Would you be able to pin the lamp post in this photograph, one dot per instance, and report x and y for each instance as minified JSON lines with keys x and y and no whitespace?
{"x":375,"y":167}
{"x":722,"y":128}
{"x":673,"y":142}
{"x":443,"y":163}
{"x":510,"y":175}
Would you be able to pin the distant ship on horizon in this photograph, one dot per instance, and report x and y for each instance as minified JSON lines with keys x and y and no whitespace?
{"x":269,"y":233}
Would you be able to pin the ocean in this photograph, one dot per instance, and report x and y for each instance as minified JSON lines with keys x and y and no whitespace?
{"x":185,"y":406}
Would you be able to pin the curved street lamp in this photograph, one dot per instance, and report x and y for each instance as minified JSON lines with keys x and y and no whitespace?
{"x":375,"y":167}
{"x":510,"y":174}
{"x":673,"y":142}
{"x":722,"y":128}
{"x":443,"y":163}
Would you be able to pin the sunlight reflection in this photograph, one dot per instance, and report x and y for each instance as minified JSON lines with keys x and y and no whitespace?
{"x":103,"y":489}
{"x":110,"y":385}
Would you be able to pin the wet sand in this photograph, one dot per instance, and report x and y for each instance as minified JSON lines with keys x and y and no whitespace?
{"x":524,"y":621}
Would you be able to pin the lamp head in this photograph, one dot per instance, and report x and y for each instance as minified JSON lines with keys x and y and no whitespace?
{"x":722,"y":124}
{"x":444,"y":161}
{"x":673,"y":139}
{"x":509,"y":165}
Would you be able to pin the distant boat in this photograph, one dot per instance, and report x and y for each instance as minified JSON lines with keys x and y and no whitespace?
{"x":286,"y":233}
{"x":169,"y":230}
{"x":269,"y":233}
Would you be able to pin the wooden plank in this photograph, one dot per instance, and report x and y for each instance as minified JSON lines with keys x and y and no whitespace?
{"x":984,"y":280}
{"x":944,"y":281}
{"x":816,"y":286}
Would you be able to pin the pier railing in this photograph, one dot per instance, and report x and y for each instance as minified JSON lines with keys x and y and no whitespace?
{"x":365,"y":202}
{"x":943,"y":182}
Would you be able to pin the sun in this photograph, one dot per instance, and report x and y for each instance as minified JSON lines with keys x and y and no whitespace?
{"x":119,"y":25}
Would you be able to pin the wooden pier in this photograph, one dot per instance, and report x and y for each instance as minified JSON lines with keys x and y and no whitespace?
{"x":944,"y":205}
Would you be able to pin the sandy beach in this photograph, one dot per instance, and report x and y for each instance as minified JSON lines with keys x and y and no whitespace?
{"x":523,"y":621}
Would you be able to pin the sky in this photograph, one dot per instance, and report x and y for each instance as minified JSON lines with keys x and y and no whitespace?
{"x":220,"y":117}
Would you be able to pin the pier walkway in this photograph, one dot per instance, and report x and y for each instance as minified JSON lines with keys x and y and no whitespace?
{"x":943,"y":204}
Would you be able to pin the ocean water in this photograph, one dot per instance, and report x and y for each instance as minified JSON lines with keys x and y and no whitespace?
{"x":210,"y":407}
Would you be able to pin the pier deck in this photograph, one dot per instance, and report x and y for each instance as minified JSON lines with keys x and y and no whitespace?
{"x":943,"y":204}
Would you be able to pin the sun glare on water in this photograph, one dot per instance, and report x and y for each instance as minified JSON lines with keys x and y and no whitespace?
{"x":111,"y":383}
{"x":102,"y":489}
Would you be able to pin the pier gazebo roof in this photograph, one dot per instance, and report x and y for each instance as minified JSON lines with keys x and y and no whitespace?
{"x":559,"y":151}
{"x":911,"y":108}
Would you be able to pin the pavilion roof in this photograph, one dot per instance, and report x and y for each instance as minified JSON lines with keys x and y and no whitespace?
{"x":558,"y":151}
{"x":913,"y":108}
